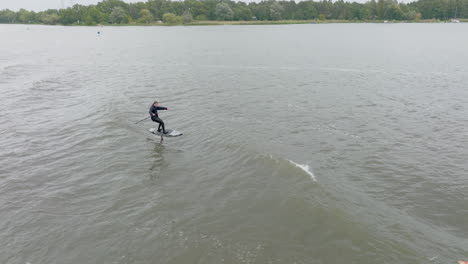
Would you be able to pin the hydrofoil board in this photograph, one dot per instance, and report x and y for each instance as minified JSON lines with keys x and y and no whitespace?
{"x":170,"y":132}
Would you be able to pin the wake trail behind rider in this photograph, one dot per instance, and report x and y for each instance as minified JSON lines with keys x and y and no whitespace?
{"x":153,"y":111}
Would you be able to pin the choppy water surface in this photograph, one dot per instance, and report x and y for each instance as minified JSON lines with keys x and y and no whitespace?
{"x":302,"y":144}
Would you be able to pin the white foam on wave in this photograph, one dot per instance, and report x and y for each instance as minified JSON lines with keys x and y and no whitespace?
{"x":305,"y":168}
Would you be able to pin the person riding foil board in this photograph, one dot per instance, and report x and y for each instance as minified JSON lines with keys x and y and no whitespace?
{"x":153,"y":111}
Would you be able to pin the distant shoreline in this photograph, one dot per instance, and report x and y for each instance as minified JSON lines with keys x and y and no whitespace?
{"x":292,"y":22}
{"x":278,"y":22}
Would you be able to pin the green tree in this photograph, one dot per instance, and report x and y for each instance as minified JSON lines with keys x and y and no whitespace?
{"x":372,"y":8}
{"x":223,"y":12}
{"x":305,"y":10}
{"x":118,"y":16}
{"x":391,"y":10}
{"x":242,"y":12}
{"x":7,"y":16}
{"x":135,"y":8}
{"x":94,"y":15}
{"x":171,"y":18}
{"x":24,"y":16}
{"x":145,"y":16}
{"x":324,"y":8}
{"x":177,"y":7}
{"x":366,"y":13}
{"x":68,"y":16}
{"x":339,"y":10}
{"x":187,"y":17}
{"x":289,"y":10}
{"x":380,"y":9}
{"x":118,"y":11}
{"x":394,"y":12}
{"x":154,"y":8}
{"x":197,"y":8}
{"x":48,"y":19}
{"x":260,"y":10}
{"x":201,"y":18}
{"x":411,"y":15}
{"x":276,"y":11}
{"x":107,"y":6}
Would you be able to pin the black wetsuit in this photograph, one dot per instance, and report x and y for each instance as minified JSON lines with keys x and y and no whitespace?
{"x":153,"y":111}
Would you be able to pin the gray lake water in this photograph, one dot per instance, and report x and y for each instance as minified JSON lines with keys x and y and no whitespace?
{"x":306,"y":144}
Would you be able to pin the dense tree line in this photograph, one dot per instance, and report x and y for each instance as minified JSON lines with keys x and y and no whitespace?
{"x":174,"y":12}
